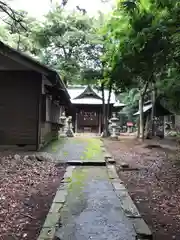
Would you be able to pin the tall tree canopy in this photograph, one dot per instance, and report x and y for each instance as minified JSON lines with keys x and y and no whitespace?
{"x":64,"y":40}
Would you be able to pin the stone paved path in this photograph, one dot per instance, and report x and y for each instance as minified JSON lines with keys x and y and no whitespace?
{"x":92,"y":210}
{"x":78,"y":148}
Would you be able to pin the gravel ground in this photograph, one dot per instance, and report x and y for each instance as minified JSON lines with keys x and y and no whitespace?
{"x":27,"y":188}
{"x":154,"y":187}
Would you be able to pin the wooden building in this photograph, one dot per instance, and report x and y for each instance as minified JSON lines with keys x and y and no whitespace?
{"x":159,"y":113}
{"x":32,"y":97}
{"x":88,"y":106}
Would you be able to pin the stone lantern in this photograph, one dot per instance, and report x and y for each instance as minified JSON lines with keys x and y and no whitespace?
{"x":69,"y":131}
{"x":63,"y":122}
{"x":114,"y":126}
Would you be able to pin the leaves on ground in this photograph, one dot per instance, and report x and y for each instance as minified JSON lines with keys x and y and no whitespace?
{"x":27,"y":187}
{"x":155,"y":187}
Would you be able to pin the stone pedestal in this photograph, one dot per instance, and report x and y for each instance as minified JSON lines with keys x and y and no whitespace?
{"x":69,"y":130}
{"x":114,"y":126}
{"x":62,"y":132}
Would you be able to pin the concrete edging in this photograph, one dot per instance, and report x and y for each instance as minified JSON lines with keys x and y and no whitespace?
{"x":141,"y":228}
{"x":52,"y":222}
{"x":107,"y":156}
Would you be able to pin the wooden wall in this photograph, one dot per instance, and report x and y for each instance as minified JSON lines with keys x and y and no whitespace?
{"x":48,"y":119}
{"x":19,"y":108}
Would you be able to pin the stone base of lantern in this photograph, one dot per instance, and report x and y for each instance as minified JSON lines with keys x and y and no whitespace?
{"x":114,"y":137}
{"x":70,"y":133}
{"x":62,"y":135}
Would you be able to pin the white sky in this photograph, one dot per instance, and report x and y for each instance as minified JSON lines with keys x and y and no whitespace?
{"x":37,"y":8}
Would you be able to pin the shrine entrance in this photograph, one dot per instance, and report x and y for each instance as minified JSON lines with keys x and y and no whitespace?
{"x":88,"y":120}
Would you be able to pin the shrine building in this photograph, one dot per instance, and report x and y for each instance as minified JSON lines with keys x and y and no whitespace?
{"x":88,"y":106}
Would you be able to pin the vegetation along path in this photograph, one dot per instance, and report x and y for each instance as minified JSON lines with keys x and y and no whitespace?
{"x":92,"y":209}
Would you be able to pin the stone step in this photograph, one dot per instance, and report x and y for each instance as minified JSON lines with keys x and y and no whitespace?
{"x":86,"y":163}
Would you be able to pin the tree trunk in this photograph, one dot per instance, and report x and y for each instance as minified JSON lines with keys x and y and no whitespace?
{"x":103,"y":110}
{"x":138,"y":127}
{"x":153,"y":109}
{"x":141,"y":117}
{"x":107,"y":110}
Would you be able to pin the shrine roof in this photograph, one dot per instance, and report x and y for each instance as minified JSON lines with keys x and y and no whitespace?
{"x":78,"y":96}
{"x":145,"y":109}
{"x":159,"y":109}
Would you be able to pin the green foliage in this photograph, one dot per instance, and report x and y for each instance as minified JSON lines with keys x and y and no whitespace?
{"x":143,"y":42}
{"x":21,"y":36}
{"x":64,"y":41}
{"x":143,"y":50}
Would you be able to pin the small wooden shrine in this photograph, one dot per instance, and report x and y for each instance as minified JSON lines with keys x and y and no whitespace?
{"x":159,"y":113}
{"x":88,"y":106}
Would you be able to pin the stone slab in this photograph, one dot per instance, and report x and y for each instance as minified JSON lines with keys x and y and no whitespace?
{"x":141,"y":228}
{"x":118,"y":185}
{"x":60,"y":196}
{"x":87,"y":163}
{"x":103,"y":149}
{"x":124,"y":165}
{"x":127,"y":204}
{"x":112,"y":172}
{"x":69,"y":171}
{"x":47,"y":233}
{"x":63,"y":186}
{"x":111,"y":161}
{"x":56,"y":207}
{"x":107,"y":156}
{"x":66,"y":180}
{"x":127,"y":169}
{"x":51,"y":220}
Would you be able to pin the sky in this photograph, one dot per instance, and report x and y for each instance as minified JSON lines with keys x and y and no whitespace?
{"x":37,"y":8}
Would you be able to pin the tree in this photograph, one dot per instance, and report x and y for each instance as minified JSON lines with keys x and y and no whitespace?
{"x":63,"y":38}
{"x":23,"y":38}
{"x":143,"y":45}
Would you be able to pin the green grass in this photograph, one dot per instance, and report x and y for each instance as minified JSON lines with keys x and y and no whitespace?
{"x":93,"y":150}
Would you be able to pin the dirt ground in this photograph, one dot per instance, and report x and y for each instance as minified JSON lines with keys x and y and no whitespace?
{"x":154,"y":186}
{"x":27,"y":188}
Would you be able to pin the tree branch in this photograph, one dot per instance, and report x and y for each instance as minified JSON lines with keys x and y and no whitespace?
{"x":16,"y":17}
